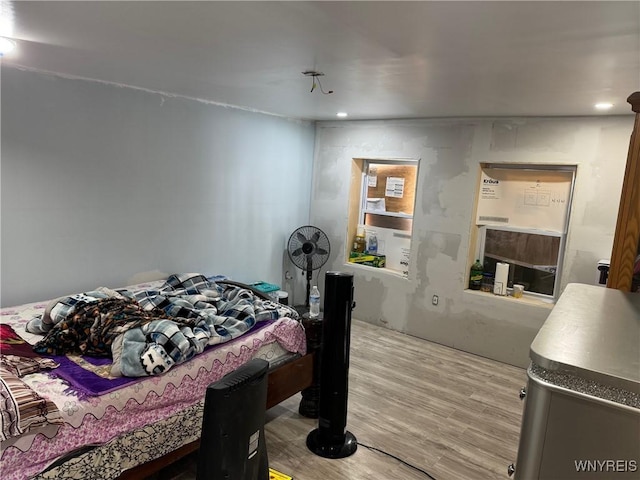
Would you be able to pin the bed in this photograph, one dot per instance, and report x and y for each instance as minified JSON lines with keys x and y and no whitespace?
{"x":82,"y":423}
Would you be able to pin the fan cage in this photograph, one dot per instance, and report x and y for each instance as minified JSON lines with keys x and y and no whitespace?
{"x":308,"y":248}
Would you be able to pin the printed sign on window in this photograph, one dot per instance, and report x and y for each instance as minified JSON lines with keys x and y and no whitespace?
{"x":524,"y":198}
{"x":395,"y":187}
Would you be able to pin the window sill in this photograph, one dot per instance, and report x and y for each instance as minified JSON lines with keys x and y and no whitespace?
{"x":370,"y":269}
{"x":384,"y":213}
{"x":529,"y":300}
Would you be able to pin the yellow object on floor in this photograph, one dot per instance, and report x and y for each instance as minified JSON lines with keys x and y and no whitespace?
{"x":276,"y":475}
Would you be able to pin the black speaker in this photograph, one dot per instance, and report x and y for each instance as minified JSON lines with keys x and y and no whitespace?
{"x":232,"y":445}
{"x":331,"y":439}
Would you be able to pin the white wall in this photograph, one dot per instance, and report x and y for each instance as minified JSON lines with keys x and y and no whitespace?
{"x":104,"y":185}
{"x":450,"y":152}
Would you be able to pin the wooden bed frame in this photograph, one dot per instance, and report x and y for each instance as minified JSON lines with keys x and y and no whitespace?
{"x":284,"y":381}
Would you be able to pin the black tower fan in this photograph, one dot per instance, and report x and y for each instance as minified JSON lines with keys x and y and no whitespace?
{"x":308,"y":249}
{"x":331,"y":439}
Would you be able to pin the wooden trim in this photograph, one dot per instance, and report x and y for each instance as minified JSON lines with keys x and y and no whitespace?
{"x":357,"y":169}
{"x":634,"y":100}
{"x":283,"y":382}
{"x":627,"y":235}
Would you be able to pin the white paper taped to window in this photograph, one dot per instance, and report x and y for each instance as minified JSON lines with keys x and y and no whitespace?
{"x":394,"y":187}
{"x":536,"y":199}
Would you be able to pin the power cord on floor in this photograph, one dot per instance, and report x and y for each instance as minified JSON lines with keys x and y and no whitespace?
{"x":398,"y":459}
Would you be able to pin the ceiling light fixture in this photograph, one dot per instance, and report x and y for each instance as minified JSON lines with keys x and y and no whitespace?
{"x":6,"y":45}
{"x":316,"y":78}
{"x":603,"y":106}
{"x":342,"y":114}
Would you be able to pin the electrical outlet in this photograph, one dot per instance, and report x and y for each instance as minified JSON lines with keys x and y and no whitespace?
{"x":434,"y":300}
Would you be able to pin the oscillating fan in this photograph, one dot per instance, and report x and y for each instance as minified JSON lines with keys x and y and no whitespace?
{"x":308,"y":249}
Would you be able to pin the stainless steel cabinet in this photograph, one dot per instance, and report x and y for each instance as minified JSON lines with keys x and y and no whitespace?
{"x":582,"y":406}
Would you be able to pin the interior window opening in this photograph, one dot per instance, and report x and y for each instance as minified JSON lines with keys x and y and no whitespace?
{"x":381,"y":206}
{"x":522,"y":220}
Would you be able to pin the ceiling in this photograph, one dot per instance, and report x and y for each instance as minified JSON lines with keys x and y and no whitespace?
{"x":381,"y":59}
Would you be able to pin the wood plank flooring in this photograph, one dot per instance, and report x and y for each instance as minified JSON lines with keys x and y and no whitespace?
{"x":452,"y":414}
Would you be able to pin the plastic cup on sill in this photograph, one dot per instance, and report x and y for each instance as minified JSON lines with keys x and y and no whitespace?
{"x":518,"y":291}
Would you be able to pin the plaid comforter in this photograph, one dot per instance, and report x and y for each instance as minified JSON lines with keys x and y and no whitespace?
{"x":147,"y":332}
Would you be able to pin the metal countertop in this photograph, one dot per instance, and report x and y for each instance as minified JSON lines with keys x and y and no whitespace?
{"x":594,"y":333}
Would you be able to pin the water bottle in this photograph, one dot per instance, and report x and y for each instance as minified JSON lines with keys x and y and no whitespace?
{"x":314,"y":302}
{"x":372,"y":248}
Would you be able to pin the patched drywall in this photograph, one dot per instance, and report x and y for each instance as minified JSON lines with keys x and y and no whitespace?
{"x":107,"y":185}
{"x":450,"y":153}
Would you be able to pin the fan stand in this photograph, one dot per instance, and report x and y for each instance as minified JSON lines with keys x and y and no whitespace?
{"x":309,"y":278}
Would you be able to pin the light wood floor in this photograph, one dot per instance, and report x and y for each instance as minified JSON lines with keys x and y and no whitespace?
{"x":452,"y":414}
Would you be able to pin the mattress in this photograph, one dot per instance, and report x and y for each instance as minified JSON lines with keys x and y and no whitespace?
{"x":138,"y":422}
